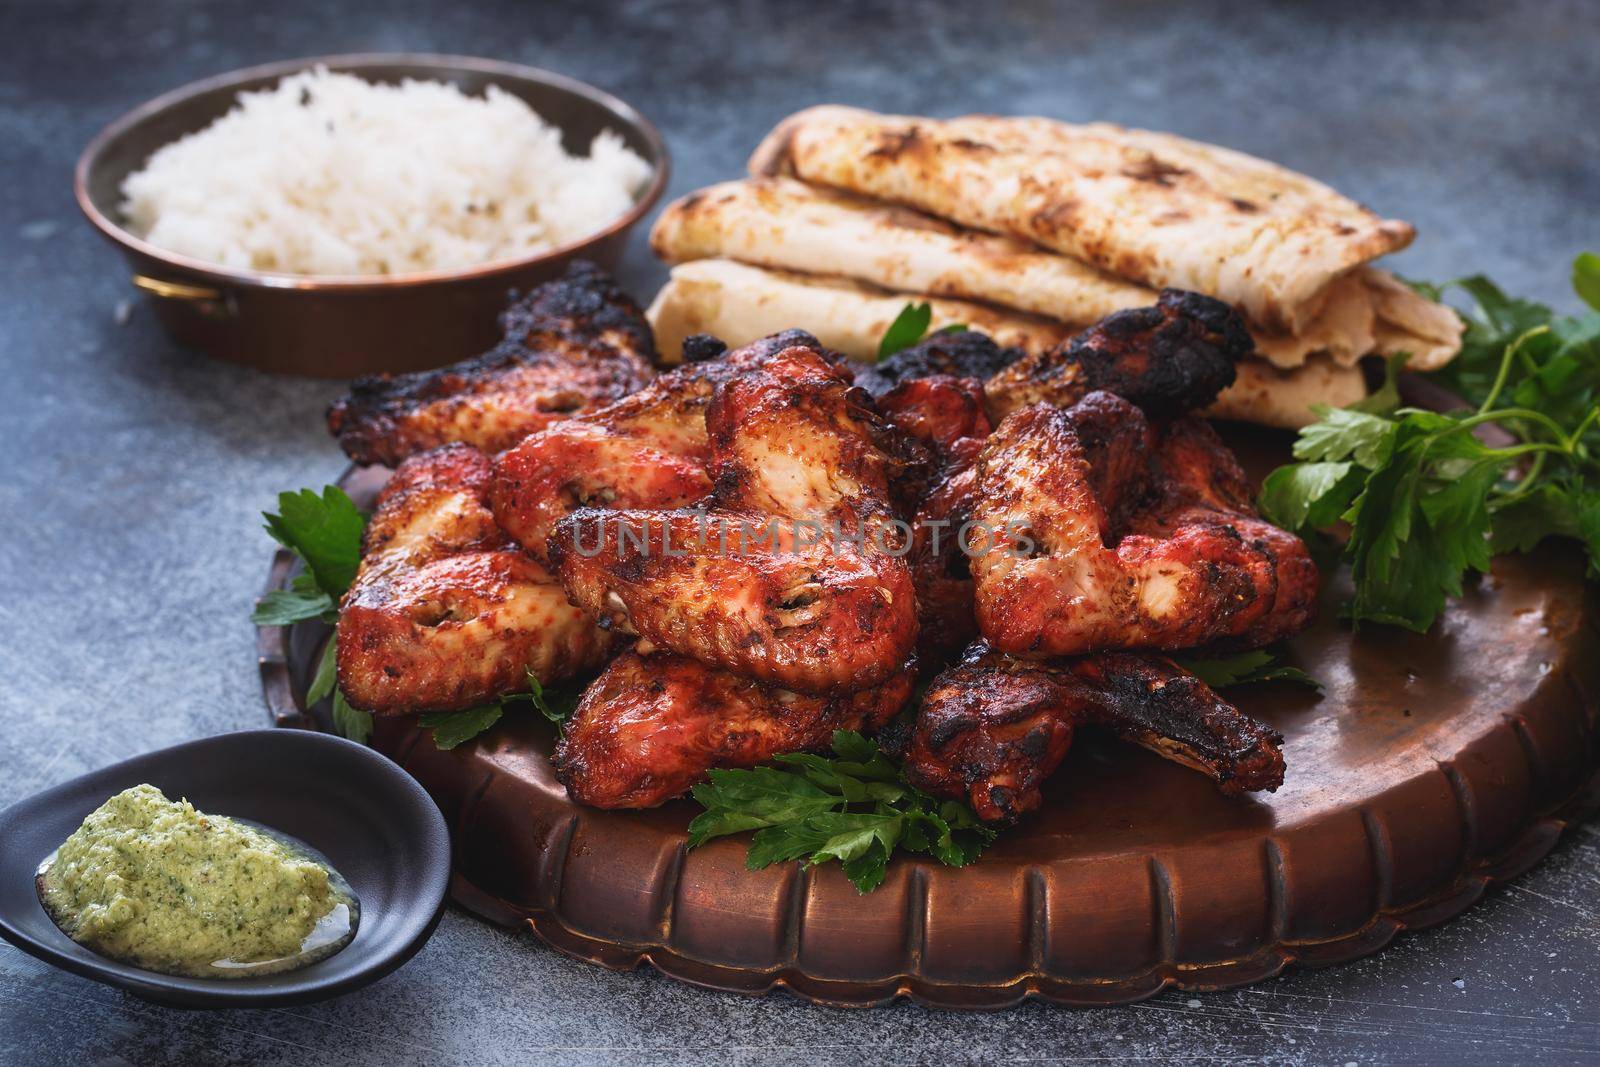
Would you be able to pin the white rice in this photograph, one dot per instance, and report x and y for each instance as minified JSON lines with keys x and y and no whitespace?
{"x":329,"y":174}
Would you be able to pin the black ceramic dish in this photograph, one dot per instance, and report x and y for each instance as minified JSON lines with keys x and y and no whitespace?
{"x":370,"y":819}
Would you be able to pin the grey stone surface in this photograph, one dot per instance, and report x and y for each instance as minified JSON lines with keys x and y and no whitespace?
{"x":133,"y":472}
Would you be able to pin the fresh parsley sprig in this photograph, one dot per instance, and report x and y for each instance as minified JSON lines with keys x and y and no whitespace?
{"x":853,"y":807}
{"x":1426,"y":499}
{"x":910,"y":327}
{"x":325,"y":532}
{"x":452,"y":728}
{"x":556,"y":703}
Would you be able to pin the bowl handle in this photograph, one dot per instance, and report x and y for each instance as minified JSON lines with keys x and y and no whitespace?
{"x":212,"y":303}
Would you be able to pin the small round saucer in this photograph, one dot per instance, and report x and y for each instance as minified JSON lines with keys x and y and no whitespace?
{"x":371,"y":820}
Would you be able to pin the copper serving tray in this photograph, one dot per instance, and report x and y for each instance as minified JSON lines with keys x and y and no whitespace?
{"x":1430,"y":768}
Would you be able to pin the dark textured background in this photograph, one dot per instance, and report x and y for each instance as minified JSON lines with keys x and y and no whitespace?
{"x":134,"y":471}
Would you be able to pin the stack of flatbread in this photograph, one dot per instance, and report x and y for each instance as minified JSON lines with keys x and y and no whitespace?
{"x":1029,"y":230}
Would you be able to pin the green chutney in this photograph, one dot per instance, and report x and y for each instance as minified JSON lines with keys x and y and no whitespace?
{"x":159,"y":885}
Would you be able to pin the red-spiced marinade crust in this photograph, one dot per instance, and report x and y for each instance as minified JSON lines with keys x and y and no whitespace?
{"x":1116,"y":533}
{"x":446,"y":612}
{"x":652,"y":725}
{"x":791,"y":442}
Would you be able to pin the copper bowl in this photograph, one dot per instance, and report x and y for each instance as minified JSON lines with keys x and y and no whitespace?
{"x":343,"y":326}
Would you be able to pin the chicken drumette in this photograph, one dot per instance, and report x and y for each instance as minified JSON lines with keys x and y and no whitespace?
{"x":1172,"y":357}
{"x":1169,"y":358}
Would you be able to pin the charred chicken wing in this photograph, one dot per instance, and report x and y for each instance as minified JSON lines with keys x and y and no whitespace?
{"x":648,"y":450}
{"x":652,"y":725}
{"x":789,"y":574}
{"x":1172,"y":357}
{"x":992,"y":728}
{"x":571,"y":345}
{"x":446,"y":612}
{"x":1105,"y":532}
{"x":948,"y":415}
{"x":961,"y":354}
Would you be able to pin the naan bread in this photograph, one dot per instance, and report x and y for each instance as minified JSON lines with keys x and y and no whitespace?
{"x":1262,"y":393}
{"x":788,"y":225}
{"x":785,"y":224}
{"x":1370,"y":312}
{"x":1410,"y":322}
{"x":1150,"y":207}
{"x":740,"y":303}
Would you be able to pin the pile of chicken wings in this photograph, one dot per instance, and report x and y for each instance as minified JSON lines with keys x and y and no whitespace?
{"x":764,"y":545}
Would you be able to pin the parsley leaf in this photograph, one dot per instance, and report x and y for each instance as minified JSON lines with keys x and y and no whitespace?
{"x":352,"y":723}
{"x":1586,"y":278}
{"x":325,"y":531}
{"x":323,"y":681}
{"x":910,"y":327}
{"x":1427,"y":501}
{"x":1345,"y":433}
{"x":853,"y":808}
{"x":557,"y":705}
{"x":304,"y":599}
{"x":906,"y":330}
{"x":1257,"y":666}
{"x":1314,"y":495}
{"x":451,"y":728}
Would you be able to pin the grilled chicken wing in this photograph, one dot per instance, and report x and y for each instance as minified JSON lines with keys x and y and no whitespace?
{"x":788,"y":574}
{"x":947,"y":414}
{"x":571,"y":345}
{"x":1172,"y":357}
{"x":992,"y":729}
{"x":1107,"y":532}
{"x":446,"y":612}
{"x":651,"y":726}
{"x":648,"y":450}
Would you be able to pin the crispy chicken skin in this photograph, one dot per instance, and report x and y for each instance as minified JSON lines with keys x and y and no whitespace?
{"x":1111,"y":533}
{"x":571,"y":345}
{"x":1169,"y":358}
{"x":651,"y":726}
{"x":647,"y":450}
{"x":961,"y":354}
{"x":787,"y":574}
{"x":578,"y":463}
{"x":446,"y":612}
{"x":991,"y":729}
{"x":947,"y":414}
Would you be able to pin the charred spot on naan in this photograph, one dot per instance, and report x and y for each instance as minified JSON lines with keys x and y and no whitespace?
{"x":1153,"y":168}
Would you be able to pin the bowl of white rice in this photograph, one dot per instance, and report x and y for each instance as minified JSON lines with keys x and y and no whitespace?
{"x":351,"y":214}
